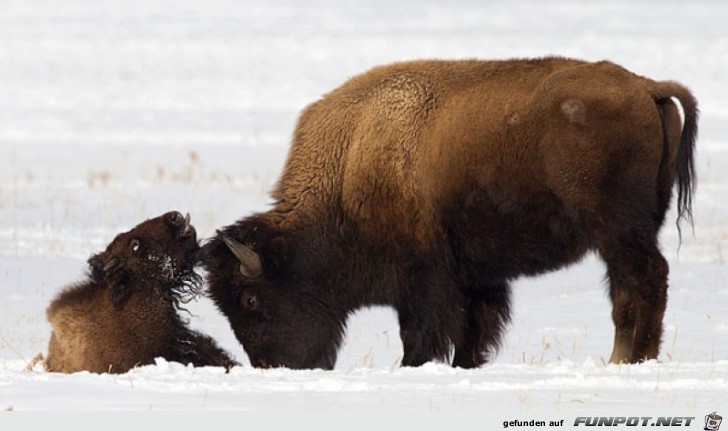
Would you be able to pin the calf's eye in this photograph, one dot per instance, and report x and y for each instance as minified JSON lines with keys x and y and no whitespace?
{"x":135,"y":245}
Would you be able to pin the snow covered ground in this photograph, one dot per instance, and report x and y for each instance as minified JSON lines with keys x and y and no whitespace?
{"x":113,"y":112}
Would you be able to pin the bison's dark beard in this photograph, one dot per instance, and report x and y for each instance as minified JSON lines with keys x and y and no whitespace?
{"x":186,"y":287}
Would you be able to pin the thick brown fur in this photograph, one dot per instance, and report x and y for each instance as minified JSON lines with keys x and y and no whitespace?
{"x":126,"y":313}
{"x":430,"y":185}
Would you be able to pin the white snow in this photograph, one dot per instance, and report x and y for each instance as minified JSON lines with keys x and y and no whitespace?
{"x":113,"y":112}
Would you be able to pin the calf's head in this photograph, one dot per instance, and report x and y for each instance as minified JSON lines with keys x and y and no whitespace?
{"x":159,"y":253}
{"x":277,"y":309}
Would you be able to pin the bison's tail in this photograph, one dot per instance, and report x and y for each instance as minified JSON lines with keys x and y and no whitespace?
{"x":686,"y":152}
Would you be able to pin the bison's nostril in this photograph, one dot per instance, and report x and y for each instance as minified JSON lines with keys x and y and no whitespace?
{"x":176,"y":218}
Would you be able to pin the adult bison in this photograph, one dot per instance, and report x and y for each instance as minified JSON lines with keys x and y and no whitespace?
{"x":126,"y":313}
{"x":431,"y":185}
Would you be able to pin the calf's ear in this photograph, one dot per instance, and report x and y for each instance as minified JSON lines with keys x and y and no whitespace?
{"x":108,"y":269}
{"x":102,"y":265}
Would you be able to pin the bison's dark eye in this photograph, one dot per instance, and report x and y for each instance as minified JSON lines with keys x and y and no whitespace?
{"x":249,"y":300}
{"x":176,"y":218}
{"x":135,"y":245}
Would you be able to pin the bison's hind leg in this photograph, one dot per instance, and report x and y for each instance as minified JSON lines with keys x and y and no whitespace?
{"x":650,"y":306}
{"x":488,"y":313}
{"x":623,"y":316}
{"x":638,"y":288}
{"x":38,"y":359}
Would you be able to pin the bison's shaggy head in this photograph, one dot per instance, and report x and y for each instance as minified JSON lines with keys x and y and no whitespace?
{"x":159,"y":253}
{"x":278,"y":311}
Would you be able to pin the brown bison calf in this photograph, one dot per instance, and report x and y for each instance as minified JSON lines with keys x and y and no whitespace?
{"x":431,"y":185}
{"x":126,"y":313}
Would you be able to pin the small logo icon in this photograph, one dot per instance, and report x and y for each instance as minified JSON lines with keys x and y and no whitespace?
{"x":712,"y":422}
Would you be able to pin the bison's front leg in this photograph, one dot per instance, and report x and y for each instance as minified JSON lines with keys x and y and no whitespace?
{"x":488,"y":313}
{"x":421,"y":341}
{"x":201,"y":350}
{"x":430,"y":322}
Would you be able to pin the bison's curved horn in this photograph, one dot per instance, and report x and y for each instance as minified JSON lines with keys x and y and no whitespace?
{"x":186,"y":227}
{"x":250,"y":264}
